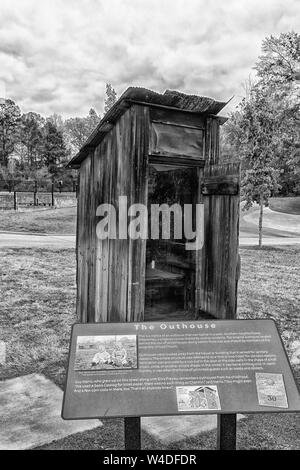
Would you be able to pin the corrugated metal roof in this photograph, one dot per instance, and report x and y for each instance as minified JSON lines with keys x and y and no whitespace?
{"x":170,"y":99}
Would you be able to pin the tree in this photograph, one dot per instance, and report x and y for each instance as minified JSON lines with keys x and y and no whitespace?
{"x":278,"y":66}
{"x":253,"y":132}
{"x":54,"y":151}
{"x":93,"y":119}
{"x":57,"y":121}
{"x":31,"y":137}
{"x":258,"y":185}
{"x":111,"y":97}
{"x":9,"y":177}
{"x":277,"y":70}
{"x":78,"y":129}
{"x":264,"y":132}
{"x":9,"y":126}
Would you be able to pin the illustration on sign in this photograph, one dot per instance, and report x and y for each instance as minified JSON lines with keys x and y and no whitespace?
{"x":102,"y":352}
{"x":271,"y":390}
{"x":198,"y":398}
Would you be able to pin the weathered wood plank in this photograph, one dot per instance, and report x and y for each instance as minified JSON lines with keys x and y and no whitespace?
{"x":106,"y":244}
{"x":212,"y":150}
{"x":219,"y":258}
{"x":177,"y":117}
{"x":219,"y":187}
{"x":98,"y":183}
{"x":138,"y":194}
{"x":198,"y":253}
{"x":111,"y":272}
{"x":83,"y":241}
{"x":178,"y":160}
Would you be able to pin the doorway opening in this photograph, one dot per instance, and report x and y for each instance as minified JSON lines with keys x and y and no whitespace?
{"x":170,"y":268}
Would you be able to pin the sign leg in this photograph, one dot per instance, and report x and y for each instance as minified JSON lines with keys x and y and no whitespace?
{"x":226,"y":439}
{"x":132,"y":431}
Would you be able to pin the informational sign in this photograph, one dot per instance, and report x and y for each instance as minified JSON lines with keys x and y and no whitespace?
{"x":173,"y":368}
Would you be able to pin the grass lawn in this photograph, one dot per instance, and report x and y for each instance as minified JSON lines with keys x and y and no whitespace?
{"x":269,"y":288}
{"x":37,"y":309}
{"x":60,"y":221}
{"x":289,"y":205}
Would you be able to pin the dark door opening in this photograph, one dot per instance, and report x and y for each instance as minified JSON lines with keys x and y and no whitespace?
{"x":170,"y":267}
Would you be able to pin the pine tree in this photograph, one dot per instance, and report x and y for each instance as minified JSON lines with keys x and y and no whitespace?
{"x":93,"y":119}
{"x":111,"y":97}
{"x":54,"y":151}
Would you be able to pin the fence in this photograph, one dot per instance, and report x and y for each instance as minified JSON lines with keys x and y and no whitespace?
{"x":16,"y":194}
{"x":23,"y":199}
{"x":38,"y":185}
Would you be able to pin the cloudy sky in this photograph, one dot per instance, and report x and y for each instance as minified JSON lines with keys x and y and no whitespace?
{"x":57,"y":55}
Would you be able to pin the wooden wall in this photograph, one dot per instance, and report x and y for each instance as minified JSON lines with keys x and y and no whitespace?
{"x":217,"y":262}
{"x":110,"y":287}
{"x":212,"y":141}
{"x":111,"y":273}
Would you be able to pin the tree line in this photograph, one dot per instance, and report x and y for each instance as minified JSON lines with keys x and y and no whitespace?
{"x":34,"y":148}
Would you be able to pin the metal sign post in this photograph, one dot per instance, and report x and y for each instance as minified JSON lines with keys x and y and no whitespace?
{"x":132,"y":433}
{"x":226,"y":432}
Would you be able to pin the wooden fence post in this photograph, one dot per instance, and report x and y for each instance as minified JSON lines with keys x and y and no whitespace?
{"x":15,"y":201}
{"x":52,"y":194}
{"x":35,"y":194}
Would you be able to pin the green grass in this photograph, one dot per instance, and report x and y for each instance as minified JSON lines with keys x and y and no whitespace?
{"x":60,"y":221}
{"x":37,"y":309}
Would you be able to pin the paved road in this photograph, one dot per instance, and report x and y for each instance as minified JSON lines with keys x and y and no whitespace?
{"x":247,"y":241}
{"x":31,"y":240}
{"x":273,"y":220}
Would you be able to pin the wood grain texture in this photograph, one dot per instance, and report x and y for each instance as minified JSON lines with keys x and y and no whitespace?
{"x":221,"y":185}
{"x":176,"y":160}
{"x":217,"y":264}
{"x":177,"y":117}
{"x":212,"y":137}
{"x":110,"y":273}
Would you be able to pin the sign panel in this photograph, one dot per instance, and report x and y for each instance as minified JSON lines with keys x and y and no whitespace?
{"x":173,"y":368}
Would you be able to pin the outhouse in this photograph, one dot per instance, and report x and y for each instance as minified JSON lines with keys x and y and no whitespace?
{"x":162,"y":151}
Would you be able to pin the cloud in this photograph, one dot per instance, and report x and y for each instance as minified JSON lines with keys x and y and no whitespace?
{"x":57,"y":55}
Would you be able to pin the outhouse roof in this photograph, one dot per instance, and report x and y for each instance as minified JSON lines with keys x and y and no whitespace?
{"x":135,"y":95}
